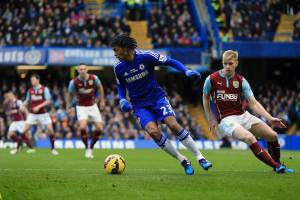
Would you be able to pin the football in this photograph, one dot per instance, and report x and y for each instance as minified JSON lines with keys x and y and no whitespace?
{"x":114,"y":164}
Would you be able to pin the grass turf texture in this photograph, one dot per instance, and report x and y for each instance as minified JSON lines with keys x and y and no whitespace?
{"x":149,"y":174}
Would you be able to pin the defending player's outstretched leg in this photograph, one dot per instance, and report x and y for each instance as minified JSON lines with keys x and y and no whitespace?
{"x":188,"y":169}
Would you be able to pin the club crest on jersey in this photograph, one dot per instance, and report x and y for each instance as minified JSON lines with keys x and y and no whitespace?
{"x":40,"y":91}
{"x":142,"y":67}
{"x":91,"y":82}
{"x":235,"y":84}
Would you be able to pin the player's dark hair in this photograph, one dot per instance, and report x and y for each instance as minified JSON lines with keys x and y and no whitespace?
{"x":35,"y":76}
{"x":124,"y":41}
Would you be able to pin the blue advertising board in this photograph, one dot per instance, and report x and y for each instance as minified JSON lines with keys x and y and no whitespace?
{"x":74,"y":56}
{"x":22,"y":55}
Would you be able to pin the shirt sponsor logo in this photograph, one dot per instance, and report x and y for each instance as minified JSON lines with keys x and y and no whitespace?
{"x":36,"y":97}
{"x":137,"y":76}
{"x":227,"y":97}
{"x":85,"y":91}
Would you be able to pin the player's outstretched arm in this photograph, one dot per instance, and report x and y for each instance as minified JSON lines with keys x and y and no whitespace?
{"x":180,"y":67}
{"x":256,"y":107}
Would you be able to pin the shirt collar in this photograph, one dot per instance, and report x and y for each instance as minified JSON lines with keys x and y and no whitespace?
{"x":37,"y":87}
{"x":87,"y":77}
{"x":223,"y":76}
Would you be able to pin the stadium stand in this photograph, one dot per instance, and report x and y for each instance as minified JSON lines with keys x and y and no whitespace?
{"x":171,"y":25}
{"x":253,"y":20}
{"x":30,"y":22}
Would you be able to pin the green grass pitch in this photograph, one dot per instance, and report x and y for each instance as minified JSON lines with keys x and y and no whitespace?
{"x":149,"y":174}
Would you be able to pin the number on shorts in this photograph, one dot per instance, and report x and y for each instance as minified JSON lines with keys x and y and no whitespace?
{"x":167,"y":109}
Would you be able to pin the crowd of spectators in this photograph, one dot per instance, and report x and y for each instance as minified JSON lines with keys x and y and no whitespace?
{"x":296,"y":33}
{"x":251,"y":20}
{"x":280,"y":102}
{"x":56,"y":23}
{"x":117,"y":125}
{"x":171,"y":25}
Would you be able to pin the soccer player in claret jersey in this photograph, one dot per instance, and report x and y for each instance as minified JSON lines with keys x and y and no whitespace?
{"x":13,"y":111}
{"x":38,"y":97}
{"x":84,"y":86}
{"x":227,"y":89}
{"x":135,"y":72}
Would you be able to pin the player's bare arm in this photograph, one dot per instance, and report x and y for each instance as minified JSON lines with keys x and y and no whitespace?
{"x":69,"y":98}
{"x":24,"y":106}
{"x":101,"y":96}
{"x":38,"y":107}
{"x":260,"y":110}
{"x":209,"y":116}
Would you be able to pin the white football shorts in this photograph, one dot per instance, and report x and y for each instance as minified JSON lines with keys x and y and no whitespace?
{"x":89,"y":112}
{"x":229,"y":123}
{"x":43,"y":118}
{"x":17,"y":126}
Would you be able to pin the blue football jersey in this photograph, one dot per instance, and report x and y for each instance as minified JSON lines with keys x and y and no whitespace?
{"x":138,"y":77}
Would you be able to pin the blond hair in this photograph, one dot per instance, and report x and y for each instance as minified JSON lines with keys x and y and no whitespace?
{"x":229,"y":54}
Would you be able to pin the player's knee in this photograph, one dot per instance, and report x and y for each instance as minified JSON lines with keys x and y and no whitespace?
{"x":249,"y":139}
{"x":175,"y":127}
{"x":99,"y":127}
{"x":273,"y":136}
{"x":154,"y":133}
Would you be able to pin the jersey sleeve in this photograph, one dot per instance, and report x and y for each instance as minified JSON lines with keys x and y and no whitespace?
{"x":247,"y":92}
{"x":156,"y":58}
{"x":27,"y":96}
{"x":71,"y":87}
{"x":19,"y":104}
{"x":97,"y":80}
{"x":47,"y":94}
{"x":207,"y":86}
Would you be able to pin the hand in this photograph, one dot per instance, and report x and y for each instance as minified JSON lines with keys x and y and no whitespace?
{"x":277,"y":122}
{"x":102,"y":104}
{"x":213,"y":126}
{"x":125,"y":105}
{"x":36,"y":109}
{"x":192,"y":74}
{"x":23,"y":109}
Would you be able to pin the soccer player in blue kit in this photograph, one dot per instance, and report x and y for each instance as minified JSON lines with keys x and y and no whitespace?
{"x":135,"y":73}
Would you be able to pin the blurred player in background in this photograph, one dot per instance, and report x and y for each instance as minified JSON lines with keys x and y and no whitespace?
{"x":227,"y":89}
{"x":135,"y":72}
{"x":85,"y":86}
{"x":38,"y":98}
{"x":16,"y":117}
